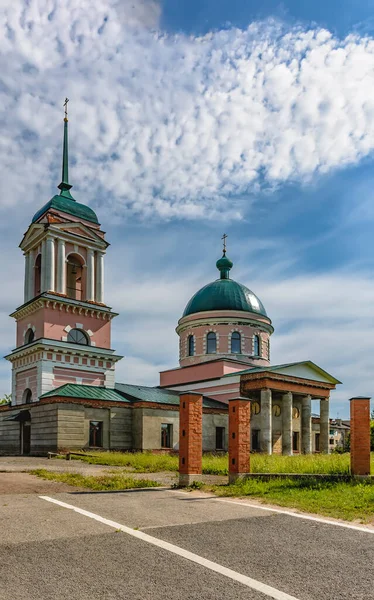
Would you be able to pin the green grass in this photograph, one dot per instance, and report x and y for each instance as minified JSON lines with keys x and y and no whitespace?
{"x":98,"y":483}
{"x":146,"y":462}
{"x":340,"y":500}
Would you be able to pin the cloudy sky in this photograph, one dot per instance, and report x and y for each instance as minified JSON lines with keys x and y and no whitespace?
{"x":189,"y":119}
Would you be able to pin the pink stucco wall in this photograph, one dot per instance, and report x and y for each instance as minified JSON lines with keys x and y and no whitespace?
{"x":199,"y":372}
{"x":62,"y":376}
{"x":26,"y":379}
{"x":50,"y":323}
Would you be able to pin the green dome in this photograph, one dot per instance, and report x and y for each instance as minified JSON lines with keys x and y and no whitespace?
{"x":225,"y":294}
{"x":69,"y":206}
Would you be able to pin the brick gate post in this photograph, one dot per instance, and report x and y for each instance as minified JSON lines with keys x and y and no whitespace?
{"x":360,"y":436}
{"x":239,"y":438}
{"x":190,"y":438}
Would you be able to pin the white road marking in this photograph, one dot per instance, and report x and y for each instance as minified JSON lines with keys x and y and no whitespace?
{"x":195,"y":558}
{"x":284,"y":512}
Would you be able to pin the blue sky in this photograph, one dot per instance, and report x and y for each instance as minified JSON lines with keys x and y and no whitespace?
{"x":193,"y":118}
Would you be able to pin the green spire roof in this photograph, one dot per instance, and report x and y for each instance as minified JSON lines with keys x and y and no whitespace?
{"x":65,"y":202}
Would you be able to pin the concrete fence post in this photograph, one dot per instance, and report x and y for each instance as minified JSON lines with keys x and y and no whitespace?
{"x":190,"y":438}
{"x":360,"y":436}
{"x":239,"y":438}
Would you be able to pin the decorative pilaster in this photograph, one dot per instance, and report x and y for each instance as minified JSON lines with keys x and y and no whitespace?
{"x":31,"y":276}
{"x":324,"y":426}
{"x":287,"y":424}
{"x":100,"y":277}
{"x":27,"y":271}
{"x":50,"y":265}
{"x":43,"y":268}
{"x":306,"y":425}
{"x":266,"y":422}
{"x":61,"y":267}
{"x":90,"y":294}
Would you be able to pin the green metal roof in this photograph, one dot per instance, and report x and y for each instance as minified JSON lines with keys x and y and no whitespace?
{"x":279,"y":367}
{"x":224,"y":294}
{"x":141,"y":393}
{"x":85,"y":392}
{"x":126,"y":393}
{"x":69,"y":206}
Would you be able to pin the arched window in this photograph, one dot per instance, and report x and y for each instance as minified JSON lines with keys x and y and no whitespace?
{"x":256,"y":345}
{"x":74,"y":277}
{"x":38,"y":275}
{"x":27,"y":396}
{"x":236,"y":343}
{"x":77,"y":336}
{"x":191,"y":345}
{"x":29,"y":336}
{"x":211,"y":343}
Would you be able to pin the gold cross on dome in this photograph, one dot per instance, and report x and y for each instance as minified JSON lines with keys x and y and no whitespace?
{"x":224,"y":242}
{"x":66,"y":108}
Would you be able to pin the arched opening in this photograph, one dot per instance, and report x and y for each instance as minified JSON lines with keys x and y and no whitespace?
{"x":74,"y":277}
{"x":211,"y":343}
{"x":191,"y":345}
{"x":27,"y":396}
{"x":78,"y":336}
{"x":256,"y":345}
{"x":38,"y":275}
{"x":29,"y":336}
{"x":236,"y":343}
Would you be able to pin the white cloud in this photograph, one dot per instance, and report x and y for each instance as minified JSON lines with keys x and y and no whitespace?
{"x":169,"y":125}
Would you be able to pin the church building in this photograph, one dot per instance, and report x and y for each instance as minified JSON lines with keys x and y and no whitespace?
{"x":64,"y":391}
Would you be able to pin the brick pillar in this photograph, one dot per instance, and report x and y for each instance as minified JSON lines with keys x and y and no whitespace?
{"x":239,"y":437}
{"x":190,"y":437}
{"x":360,"y":436}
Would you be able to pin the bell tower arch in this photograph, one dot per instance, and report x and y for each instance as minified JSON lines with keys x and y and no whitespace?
{"x":63,"y":325}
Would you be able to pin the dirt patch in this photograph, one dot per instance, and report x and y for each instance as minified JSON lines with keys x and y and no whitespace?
{"x":24,"y":483}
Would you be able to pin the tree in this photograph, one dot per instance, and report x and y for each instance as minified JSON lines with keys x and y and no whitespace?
{"x":6,"y":400}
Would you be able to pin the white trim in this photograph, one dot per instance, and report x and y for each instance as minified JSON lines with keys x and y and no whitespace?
{"x":205,"y":384}
{"x":263,"y":588}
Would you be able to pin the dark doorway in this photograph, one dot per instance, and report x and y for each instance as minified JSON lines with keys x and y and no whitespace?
{"x":96,"y":434}
{"x":220,"y":438}
{"x":25,"y":437}
{"x":317,"y":442}
{"x":255,"y":440}
{"x":295,"y":441}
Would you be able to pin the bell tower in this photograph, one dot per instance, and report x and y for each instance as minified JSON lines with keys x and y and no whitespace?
{"x":63,"y":325}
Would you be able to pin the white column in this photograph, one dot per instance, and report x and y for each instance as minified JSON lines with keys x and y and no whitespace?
{"x":287,"y":424}
{"x":266,"y":422}
{"x":306,"y":425}
{"x":27,"y":271}
{"x":50,"y":265}
{"x":43,"y":268}
{"x":99,"y":277}
{"x":90,"y":281}
{"x":324,"y":425}
{"x":61,"y":267}
{"x":31,"y":279}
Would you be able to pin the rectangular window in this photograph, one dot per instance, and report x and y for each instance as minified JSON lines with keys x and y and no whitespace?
{"x":166,"y":435}
{"x":317,"y":442}
{"x":96,"y":434}
{"x":220,"y":438}
{"x":295,"y":441}
{"x":331,"y":441}
{"x":255,"y":440}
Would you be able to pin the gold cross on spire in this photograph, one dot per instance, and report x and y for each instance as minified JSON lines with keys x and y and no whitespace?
{"x":66,"y":108}
{"x":224,"y":242}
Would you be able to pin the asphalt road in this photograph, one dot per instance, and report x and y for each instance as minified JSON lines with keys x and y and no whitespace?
{"x":50,"y":552}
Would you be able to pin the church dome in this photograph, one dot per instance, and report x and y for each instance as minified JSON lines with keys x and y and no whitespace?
{"x":224,"y":294}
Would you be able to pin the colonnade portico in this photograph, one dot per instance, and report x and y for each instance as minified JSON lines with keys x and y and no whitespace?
{"x":285,"y":410}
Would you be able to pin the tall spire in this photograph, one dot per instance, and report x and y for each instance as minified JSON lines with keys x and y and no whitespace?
{"x":65,"y":185}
